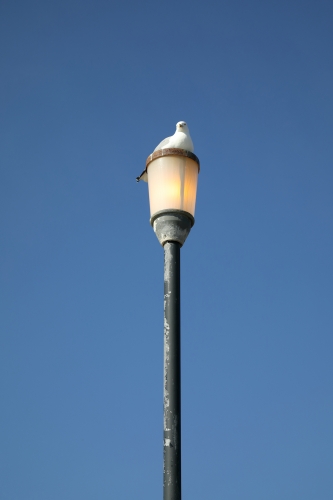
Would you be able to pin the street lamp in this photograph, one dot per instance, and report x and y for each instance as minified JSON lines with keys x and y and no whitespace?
{"x":172,"y":176}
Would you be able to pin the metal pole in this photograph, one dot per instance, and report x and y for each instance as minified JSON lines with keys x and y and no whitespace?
{"x":172,"y":400}
{"x":172,"y":227}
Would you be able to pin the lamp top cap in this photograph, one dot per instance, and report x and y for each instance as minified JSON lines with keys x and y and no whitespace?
{"x":172,"y":152}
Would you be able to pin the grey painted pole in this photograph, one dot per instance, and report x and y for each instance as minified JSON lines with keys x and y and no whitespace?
{"x":172,"y":228}
{"x":172,"y":399}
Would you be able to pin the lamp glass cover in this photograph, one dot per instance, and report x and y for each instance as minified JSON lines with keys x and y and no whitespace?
{"x":172,"y":184}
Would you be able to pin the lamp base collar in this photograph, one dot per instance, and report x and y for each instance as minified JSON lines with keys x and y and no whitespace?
{"x":172,"y":225}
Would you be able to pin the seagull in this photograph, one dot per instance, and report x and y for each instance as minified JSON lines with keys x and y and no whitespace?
{"x":181,"y":139}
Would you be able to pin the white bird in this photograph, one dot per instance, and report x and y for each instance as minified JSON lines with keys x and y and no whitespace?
{"x":181,"y":139}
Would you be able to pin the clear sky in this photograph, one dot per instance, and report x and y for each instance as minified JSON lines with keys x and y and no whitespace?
{"x":87,"y":90}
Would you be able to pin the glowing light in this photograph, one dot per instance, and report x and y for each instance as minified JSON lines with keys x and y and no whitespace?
{"x":172,"y":184}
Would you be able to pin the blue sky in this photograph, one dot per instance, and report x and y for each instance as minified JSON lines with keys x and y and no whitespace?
{"x":88,"y":89}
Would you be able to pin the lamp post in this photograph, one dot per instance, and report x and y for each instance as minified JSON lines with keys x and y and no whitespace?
{"x":172,"y":183}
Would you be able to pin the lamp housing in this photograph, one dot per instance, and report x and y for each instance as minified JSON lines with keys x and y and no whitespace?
{"x":172,"y":180}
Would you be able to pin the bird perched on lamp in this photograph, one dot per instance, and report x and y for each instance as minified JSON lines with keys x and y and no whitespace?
{"x":181,"y":139}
